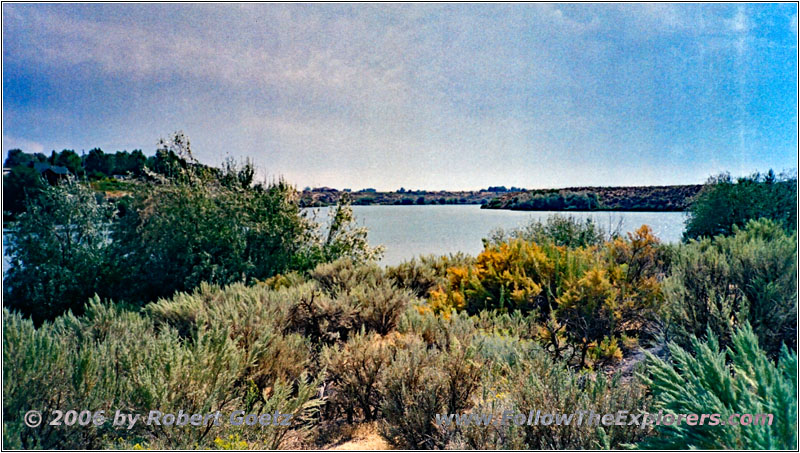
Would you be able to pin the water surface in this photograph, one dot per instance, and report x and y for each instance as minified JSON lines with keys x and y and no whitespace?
{"x":409,"y":231}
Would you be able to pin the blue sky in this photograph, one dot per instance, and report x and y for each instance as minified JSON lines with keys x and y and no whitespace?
{"x":437,"y":96}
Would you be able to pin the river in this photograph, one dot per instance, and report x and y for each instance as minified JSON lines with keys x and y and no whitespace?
{"x":409,"y":231}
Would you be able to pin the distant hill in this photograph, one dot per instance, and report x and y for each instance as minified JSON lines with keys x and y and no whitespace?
{"x":638,"y":198}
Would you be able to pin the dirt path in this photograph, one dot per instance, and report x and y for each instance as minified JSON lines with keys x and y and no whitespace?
{"x":364,"y":437}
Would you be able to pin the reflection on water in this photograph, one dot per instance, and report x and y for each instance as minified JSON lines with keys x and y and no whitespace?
{"x":409,"y":231}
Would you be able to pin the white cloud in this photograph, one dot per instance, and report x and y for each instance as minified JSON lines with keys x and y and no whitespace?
{"x":29,"y":146}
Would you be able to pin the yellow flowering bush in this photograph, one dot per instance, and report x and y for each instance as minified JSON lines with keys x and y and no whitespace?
{"x":586,"y":297}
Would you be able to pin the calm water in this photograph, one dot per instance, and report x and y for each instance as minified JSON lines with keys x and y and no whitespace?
{"x":409,"y":231}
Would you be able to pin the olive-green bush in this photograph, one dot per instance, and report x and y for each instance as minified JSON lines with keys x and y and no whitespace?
{"x":723,"y":282}
{"x":111,"y":359}
{"x":425,"y":273}
{"x":355,"y":370}
{"x":558,"y":229}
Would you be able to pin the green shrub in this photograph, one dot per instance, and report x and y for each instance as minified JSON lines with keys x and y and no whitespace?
{"x":111,"y":359}
{"x":420,"y":321}
{"x":724,"y":202}
{"x":360,"y":295}
{"x":423,"y":274}
{"x":713,"y":380}
{"x":355,"y":371}
{"x":321,"y":318}
{"x":414,"y":393}
{"x":59,"y":253}
{"x":560,"y":230}
{"x":516,"y":323}
{"x":533,"y":380}
{"x":237,"y":303}
{"x":461,"y":366}
{"x":256,"y":318}
{"x":721,"y":283}
{"x":426,"y":378}
{"x":344,"y":274}
{"x":298,"y":399}
{"x":130,"y":369}
{"x":415,"y":276}
{"x":380,"y":306}
{"x":553,"y":386}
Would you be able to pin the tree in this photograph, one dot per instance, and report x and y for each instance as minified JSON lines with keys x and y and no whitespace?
{"x":71,"y":160}
{"x":189,"y":230}
{"x":19,"y":185}
{"x":236,"y":174}
{"x":59,"y":252}
{"x":16,"y":157}
{"x":98,"y":164}
{"x":129,"y":163}
{"x":195,"y":224}
{"x":345,"y":239}
{"x":725,"y":202}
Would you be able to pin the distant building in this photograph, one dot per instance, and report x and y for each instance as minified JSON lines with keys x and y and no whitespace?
{"x":52,"y":173}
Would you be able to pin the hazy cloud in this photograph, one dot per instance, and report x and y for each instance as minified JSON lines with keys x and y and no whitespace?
{"x":440,"y":96}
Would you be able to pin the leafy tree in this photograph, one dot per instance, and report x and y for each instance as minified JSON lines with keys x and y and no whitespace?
{"x":175,"y":236}
{"x":129,"y":163}
{"x":17,"y":157}
{"x":166,"y":163}
{"x":69,"y":159}
{"x":725,"y":202}
{"x":98,"y":164}
{"x":234,"y":174}
{"x":174,"y":160}
{"x":59,"y":252}
{"x":19,"y":185}
{"x":345,"y":239}
{"x":206,"y":225}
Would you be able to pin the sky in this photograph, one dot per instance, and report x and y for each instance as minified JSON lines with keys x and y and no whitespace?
{"x":420,"y":96}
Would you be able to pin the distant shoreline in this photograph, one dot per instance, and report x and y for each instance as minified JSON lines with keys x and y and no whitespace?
{"x":675,"y":198}
{"x":325,"y":196}
{"x":633,"y":199}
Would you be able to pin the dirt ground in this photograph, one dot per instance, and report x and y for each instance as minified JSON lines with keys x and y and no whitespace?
{"x":364,"y":436}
